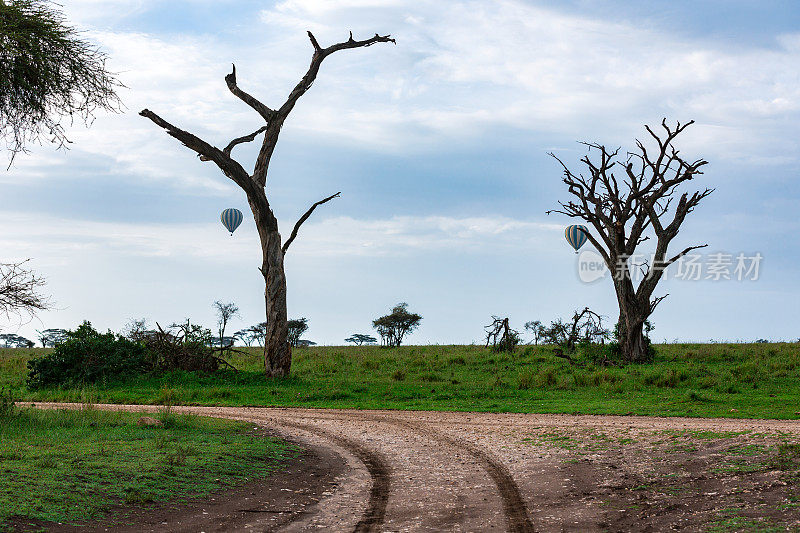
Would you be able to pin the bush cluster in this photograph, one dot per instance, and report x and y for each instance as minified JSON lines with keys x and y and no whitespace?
{"x":88,"y":356}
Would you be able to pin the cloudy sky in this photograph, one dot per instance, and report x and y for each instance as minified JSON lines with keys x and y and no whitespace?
{"x":439,"y":147}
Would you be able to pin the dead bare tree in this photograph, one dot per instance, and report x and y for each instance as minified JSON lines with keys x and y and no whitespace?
{"x":500,"y":335}
{"x":277,"y":352}
{"x":621,"y":211}
{"x":19,"y":290}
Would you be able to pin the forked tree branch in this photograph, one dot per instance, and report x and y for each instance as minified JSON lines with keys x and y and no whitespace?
{"x":654,"y":303}
{"x":226,"y":164}
{"x":304,"y":218}
{"x":238,"y":140}
{"x":276,"y":120}
{"x":243,"y":139}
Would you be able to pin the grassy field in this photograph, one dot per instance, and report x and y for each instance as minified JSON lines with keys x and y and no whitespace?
{"x":73,"y":465}
{"x":729,"y":380}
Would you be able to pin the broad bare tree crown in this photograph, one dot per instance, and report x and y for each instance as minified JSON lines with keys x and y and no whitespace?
{"x":624,"y":196}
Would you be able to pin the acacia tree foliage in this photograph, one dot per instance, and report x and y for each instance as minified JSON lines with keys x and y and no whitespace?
{"x":48,"y":75}
{"x":536,"y":328}
{"x":51,"y":337}
{"x":359,"y":338}
{"x":396,"y":325}
{"x":19,"y":290}
{"x":245,"y":336}
{"x":277,"y":350}
{"x":258,"y":333}
{"x":626,"y":199}
{"x":12,"y":340}
{"x":297,"y":327}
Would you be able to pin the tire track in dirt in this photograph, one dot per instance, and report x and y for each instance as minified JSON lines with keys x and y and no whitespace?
{"x":378,"y":470}
{"x":513,"y":504}
{"x":514,"y":508}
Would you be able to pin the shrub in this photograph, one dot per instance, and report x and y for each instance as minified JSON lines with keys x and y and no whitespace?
{"x":184,"y":347}
{"x":87,"y":356}
{"x":600,"y":354}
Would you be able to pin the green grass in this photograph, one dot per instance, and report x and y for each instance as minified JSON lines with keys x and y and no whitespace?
{"x":728,"y":380}
{"x":74,"y":465}
{"x":731,"y":522}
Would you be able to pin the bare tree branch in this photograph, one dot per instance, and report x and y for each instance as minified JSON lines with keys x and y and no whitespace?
{"x":19,"y":293}
{"x":238,"y":140}
{"x":226,"y":164}
{"x":654,"y":303}
{"x":244,"y":139}
{"x":684,"y":252}
{"x":304,"y":218}
{"x":277,"y":119}
{"x":265,"y":112}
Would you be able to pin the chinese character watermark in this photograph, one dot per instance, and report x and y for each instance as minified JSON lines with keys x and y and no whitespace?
{"x":716,"y":266}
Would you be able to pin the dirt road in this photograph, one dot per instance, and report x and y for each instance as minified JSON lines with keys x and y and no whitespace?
{"x":435,"y":471}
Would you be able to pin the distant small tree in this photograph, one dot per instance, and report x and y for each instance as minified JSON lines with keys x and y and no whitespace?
{"x":500,"y":335}
{"x":245,"y":336}
{"x":224,"y":342}
{"x":358,"y":339}
{"x":537,"y":330}
{"x":396,"y":325}
{"x":51,"y":337}
{"x":586,"y":326}
{"x":12,"y":340}
{"x":137,"y":330}
{"x":19,"y":290}
{"x":297,"y":327}
{"x":225,"y":312}
{"x":258,"y":333}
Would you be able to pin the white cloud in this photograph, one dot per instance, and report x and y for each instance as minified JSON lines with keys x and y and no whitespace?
{"x":56,"y":241}
{"x":459,"y":71}
{"x":405,"y":235}
{"x":461,"y":67}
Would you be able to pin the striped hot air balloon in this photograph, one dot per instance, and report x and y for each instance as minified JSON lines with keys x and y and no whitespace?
{"x":231,"y":218}
{"x":576,"y":236}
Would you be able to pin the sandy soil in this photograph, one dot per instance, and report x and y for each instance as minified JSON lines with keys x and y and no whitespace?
{"x":435,"y":471}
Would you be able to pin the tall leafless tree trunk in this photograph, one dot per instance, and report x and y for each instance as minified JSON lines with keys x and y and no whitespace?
{"x":277,"y":352}
{"x":621,"y":211}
